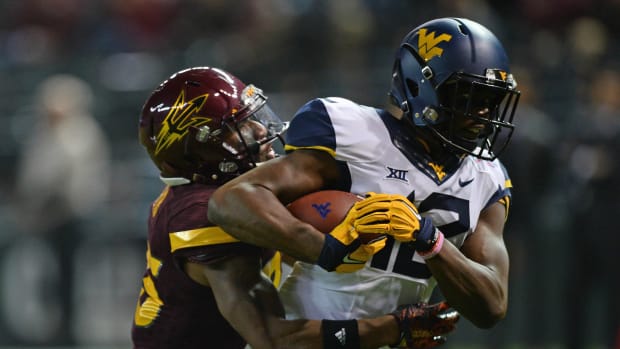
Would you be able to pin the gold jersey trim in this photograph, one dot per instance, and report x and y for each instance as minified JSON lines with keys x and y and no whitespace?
{"x":506,"y":202}
{"x":199,"y":237}
{"x":330,"y":151}
{"x":159,"y":200}
{"x":273,"y":269}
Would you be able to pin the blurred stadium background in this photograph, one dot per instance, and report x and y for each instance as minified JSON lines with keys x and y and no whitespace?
{"x":74,"y":195}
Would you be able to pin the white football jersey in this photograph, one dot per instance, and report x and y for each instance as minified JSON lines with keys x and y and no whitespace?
{"x":365,"y":141}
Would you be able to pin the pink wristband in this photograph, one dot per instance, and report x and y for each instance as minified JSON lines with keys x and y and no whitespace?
{"x":436,"y":247}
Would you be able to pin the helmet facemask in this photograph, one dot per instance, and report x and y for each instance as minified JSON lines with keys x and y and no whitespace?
{"x":254,"y":128}
{"x":246,"y":136}
{"x":474,"y":113}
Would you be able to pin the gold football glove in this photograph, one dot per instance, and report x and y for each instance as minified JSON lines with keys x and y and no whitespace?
{"x":343,"y":250}
{"x":390,"y":214}
{"x":395,"y":215}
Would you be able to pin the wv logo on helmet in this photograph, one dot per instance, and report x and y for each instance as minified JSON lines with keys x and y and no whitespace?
{"x":179,"y":119}
{"x":427,"y":44}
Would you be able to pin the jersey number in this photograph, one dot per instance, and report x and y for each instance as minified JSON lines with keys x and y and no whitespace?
{"x":149,"y":303}
{"x":403,"y":261}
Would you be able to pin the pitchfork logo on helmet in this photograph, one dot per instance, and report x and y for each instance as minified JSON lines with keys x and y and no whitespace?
{"x":204,"y":125}
{"x":179,"y":119}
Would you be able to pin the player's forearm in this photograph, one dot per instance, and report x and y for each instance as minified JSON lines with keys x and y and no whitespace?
{"x":378,"y":332}
{"x":475,"y":290}
{"x":373,"y":333}
{"x":240,"y":212}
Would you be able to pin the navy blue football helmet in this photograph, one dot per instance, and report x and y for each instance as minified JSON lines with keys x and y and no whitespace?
{"x":451,"y":78}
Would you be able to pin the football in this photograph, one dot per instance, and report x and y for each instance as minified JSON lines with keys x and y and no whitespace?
{"x":325,"y":209}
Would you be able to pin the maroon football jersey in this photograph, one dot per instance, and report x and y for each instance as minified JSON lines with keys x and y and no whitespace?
{"x":173,"y":311}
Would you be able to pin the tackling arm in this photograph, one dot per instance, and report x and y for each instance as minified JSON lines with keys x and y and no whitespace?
{"x":419,"y":326}
{"x":231,"y":281}
{"x":250,"y":303}
{"x":264,"y":327}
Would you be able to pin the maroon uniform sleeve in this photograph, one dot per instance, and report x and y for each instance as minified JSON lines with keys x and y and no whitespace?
{"x":173,"y":311}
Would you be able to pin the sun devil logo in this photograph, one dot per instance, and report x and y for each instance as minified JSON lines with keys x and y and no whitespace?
{"x":427,"y":44}
{"x":179,"y":119}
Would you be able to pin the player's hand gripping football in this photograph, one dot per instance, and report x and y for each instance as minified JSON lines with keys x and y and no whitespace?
{"x":424,"y":326}
{"x":346,"y":250}
{"x":394,"y":215}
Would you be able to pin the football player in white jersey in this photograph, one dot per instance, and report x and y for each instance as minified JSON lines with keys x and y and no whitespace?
{"x":431,"y":154}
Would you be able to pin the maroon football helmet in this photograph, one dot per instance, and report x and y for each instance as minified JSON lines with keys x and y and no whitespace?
{"x":205,"y":125}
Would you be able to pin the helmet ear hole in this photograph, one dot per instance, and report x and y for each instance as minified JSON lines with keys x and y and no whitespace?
{"x":413,"y":87}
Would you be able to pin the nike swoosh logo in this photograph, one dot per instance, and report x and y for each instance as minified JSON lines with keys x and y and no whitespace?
{"x":348,"y":260}
{"x":158,"y":108}
{"x":464,"y":183}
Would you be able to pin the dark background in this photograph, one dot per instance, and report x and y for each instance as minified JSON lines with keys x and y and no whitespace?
{"x":74,"y":283}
